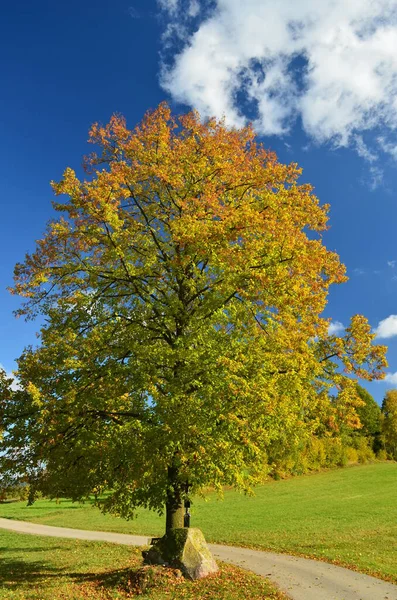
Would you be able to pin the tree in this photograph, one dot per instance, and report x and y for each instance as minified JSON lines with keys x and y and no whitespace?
{"x":389,"y":422}
{"x":370,"y":418}
{"x":369,"y":413}
{"x":5,"y":398}
{"x":182,"y":296}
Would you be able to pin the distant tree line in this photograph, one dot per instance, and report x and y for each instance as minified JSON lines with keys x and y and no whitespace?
{"x":336,"y":443}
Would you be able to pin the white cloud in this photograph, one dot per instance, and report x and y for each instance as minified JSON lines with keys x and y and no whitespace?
{"x":375,"y":177}
{"x":391,"y":263}
{"x":390,"y":378}
{"x":363,"y":150}
{"x":193,"y":8}
{"x":335,"y":328}
{"x":388,"y":147}
{"x":169,"y":6}
{"x":387,"y":328}
{"x":133,"y":12}
{"x":333,"y":64}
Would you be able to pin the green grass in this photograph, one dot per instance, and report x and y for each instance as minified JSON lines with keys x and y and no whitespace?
{"x":40,"y":568}
{"x":348,"y":516}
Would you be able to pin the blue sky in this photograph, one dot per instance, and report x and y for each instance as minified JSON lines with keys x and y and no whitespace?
{"x":319,"y":83}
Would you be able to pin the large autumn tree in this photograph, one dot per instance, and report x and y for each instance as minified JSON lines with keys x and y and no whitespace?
{"x":182,"y":289}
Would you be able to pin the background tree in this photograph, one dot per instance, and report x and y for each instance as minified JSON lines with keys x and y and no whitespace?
{"x":5,"y":397}
{"x":182,"y":297}
{"x":389,"y":422}
{"x":369,"y":412}
{"x":370,"y":418}
{"x":332,"y":440}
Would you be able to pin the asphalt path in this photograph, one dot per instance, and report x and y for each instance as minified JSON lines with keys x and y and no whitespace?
{"x":300,"y":578}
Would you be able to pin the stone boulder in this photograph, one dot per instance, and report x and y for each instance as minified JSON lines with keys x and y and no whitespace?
{"x":184,"y":549}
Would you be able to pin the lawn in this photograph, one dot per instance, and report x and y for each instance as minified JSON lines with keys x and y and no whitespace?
{"x":40,"y":568}
{"x":347,"y":515}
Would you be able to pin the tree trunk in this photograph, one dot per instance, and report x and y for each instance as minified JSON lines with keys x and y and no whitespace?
{"x":174,"y":515}
{"x":174,"y":505}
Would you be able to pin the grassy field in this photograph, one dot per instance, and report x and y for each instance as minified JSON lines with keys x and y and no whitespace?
{"x":348,"y":516}
{"x":39,"y":568}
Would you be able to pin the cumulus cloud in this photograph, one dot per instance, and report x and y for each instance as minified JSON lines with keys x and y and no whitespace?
{"x":335,"y":328}
{"x":390,"y":378}
{"x":387,"y":328}
{"x":333,"y":64}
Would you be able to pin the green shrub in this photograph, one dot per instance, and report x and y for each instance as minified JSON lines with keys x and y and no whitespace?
{"x":352,"y":455}
{"x":363,"y":445}
{"x":316,"y":453}
{"x":381,"y":454}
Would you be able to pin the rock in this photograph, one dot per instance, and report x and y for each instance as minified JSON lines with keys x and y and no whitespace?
{"x":184,"y":549}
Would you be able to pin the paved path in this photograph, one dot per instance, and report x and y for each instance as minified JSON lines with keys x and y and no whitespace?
{"x":300,"y":578}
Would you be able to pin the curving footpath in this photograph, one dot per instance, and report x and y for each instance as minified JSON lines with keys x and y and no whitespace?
{"x":300,"y":578}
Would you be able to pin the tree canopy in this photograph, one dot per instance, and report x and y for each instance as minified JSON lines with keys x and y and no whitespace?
{"x":182,"y":289}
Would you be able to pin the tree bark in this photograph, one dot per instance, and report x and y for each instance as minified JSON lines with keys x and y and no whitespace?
{"x":174,"y":505}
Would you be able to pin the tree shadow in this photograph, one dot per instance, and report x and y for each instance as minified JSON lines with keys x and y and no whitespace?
{"x":16,"y":573}
{"x":109,"y":579}
{"x":136,"y":579}
{"x":24,"y":550}
{"x":59,"y":507}
{"x":21,"y":574}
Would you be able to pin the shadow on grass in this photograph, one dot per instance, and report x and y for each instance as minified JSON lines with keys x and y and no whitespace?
{"x":52,"y":506}
{"x":61,"y":503}
{"x":110,"y":579}
{"x":20,"y":574}
{"x":24,"y":550}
